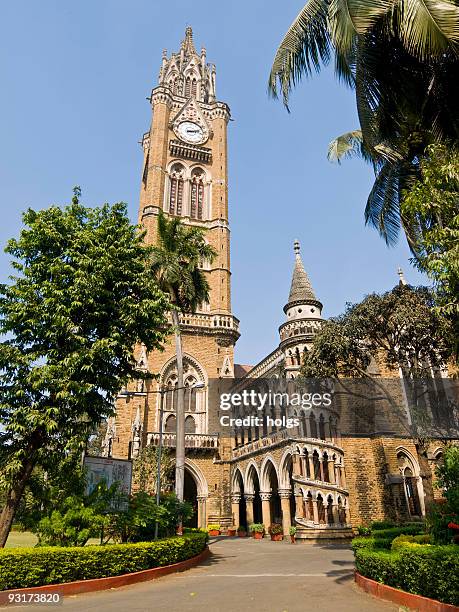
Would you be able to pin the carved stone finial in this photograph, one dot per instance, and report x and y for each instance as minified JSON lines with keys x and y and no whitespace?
{"x":296,"y":247}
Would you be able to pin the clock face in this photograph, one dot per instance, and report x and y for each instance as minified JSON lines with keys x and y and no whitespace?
{"x":191,"y":132}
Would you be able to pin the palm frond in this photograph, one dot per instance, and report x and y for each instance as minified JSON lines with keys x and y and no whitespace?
{"x":305,"y":46}
{"x":428,"y":27}
{"x":382,"y":210}
{"x":346,"y":145}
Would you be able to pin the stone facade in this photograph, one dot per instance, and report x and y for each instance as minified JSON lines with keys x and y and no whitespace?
{"x":313,"y":477}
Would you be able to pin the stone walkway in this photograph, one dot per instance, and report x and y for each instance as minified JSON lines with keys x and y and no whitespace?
{"x":246,"y":575}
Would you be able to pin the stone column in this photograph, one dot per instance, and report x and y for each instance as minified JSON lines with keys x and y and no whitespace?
{"x":284,"y":495}
{"x":235,"y":499}
{"x":266,"y":509}
{"x":202,"y":518}
{"x":249,"y":497}
{"x":331,"y":471}
{"x":299,"y":508}
{"x":348,"y":517}
{"x":315,"y":512}
{"x":335,"y":514}
{"x":343,"y":477}
{"x":321,"y":469}
{"x":421,"y":495}
{"x":311,"y":467}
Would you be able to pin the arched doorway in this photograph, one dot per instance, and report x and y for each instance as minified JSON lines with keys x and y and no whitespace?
{"x":253,"y":496}
{"x":191,"y":496}
{"x":412,"y":483}
{"x":274,"y":501}
{"x":196,"y":493}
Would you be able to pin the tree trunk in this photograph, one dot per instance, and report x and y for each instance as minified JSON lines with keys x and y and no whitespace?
{"x":180,"y":417}
{"x":13,"y":497}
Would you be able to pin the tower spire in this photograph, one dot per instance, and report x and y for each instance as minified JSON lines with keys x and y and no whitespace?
{"x":401,"y":276}
{"x":301,"y":288}
{"x":187,"y":43}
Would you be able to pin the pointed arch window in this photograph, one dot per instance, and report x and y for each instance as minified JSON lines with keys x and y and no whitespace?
{"x":176,"y":190}
{"x":194,"y":86}
{"x":187,"y":87}
{"x":197,"y":194}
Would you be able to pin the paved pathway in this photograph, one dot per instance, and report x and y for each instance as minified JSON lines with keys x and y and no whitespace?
{"x":245,"y":575}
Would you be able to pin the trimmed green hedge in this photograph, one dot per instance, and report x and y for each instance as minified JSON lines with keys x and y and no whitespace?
{"x":431,"y":571}
{"x":30,"y":567}
{"x":382,"y":538}
{"x":370,"y":542}
{"x":393,"y":532}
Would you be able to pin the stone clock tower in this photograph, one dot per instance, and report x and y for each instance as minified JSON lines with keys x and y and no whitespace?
{"x":185,"y":175}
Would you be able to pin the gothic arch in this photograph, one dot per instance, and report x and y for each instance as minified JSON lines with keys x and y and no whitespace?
{"x":284,"y":476}
{"x":236,"y":481}
{"x":401,"y":450}
{"x":198,"y":477}
{"x":170,"y":366}
{"x":264,"y":473}
{"x":249,"y":481}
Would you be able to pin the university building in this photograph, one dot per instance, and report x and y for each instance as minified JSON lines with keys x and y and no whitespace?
{"x":313,"y":477}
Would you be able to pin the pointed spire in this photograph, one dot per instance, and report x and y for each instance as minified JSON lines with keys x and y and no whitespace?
{"x":402,"y":278}
{"x":300,"y":289}
{"x":187,"y":43}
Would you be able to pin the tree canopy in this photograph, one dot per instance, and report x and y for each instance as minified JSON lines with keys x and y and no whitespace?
{"x":82,"y":297}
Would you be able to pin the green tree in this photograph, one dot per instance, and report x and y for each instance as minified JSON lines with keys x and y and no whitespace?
{"x":82,"y":298}
{"x":443,"y":514}
{"x":400,"y":328}
{"x":432,"y":208}
{"x":145,"y":466}
{"x":177,"y":266}
{"x":400,"y":57}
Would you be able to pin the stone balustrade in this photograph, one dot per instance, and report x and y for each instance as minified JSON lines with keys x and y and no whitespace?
{"x":203,"y":441}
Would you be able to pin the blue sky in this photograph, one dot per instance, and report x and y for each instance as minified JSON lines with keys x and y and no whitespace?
{"x":75,"y":76}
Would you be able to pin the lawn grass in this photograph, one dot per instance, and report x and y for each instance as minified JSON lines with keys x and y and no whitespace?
{"x":24,"y":539}
{"x":21,"y":539}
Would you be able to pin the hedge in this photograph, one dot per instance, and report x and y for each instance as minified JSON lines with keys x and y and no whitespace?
{"x":30,"y":567}
{"x":393,"y":532}
{"x":431,"y":571}
{"x":370,"y":542}
{"x":382,"y":538}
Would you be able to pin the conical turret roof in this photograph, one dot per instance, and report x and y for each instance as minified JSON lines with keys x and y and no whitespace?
{"x":301,"y":290}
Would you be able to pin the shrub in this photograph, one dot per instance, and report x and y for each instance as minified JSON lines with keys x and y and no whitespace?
{"x":372,"y":543}
{"x":138,"y":523}
{"x":431,"y":571}
{"x":442,"y":514}
{"x":393,"y":532}
{"x":417,"y":540}
{"x":376,"y":525}
{"x":242,"y":529}
{"x":257,"y":528}
{"x":214,"y":527}
{"x":292,"y":530}
{"x":30,"y":567}
{"x":363,"y":530}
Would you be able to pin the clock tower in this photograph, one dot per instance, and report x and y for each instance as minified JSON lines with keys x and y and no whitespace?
{"x":185,"y":175}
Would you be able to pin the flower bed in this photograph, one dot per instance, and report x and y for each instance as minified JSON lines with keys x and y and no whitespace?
{"x":30,"y":567}
{"x":430,"y":571}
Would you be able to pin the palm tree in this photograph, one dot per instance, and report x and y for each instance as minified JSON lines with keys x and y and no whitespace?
{"x":176,"y":263}
{"x":400,"y":57}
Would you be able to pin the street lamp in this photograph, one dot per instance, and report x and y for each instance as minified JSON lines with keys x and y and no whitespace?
{"x":162,"y":391}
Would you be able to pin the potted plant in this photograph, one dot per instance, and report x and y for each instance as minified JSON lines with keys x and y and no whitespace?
{"x":276,"y":532}
{"x":231,"y":531}
{"x":241,"y":531}
{"x":214,"y":530}
{"x":292,"y":533}
{"x":257,"y":530}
